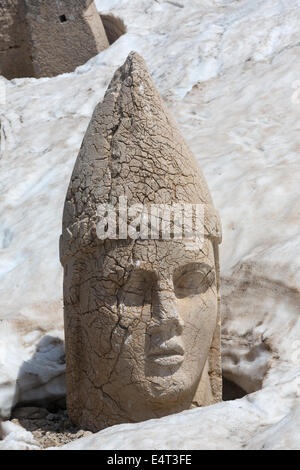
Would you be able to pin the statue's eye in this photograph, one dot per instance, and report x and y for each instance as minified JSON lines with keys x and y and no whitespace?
{"x":138,"y":286}
{"x":194,"y":282}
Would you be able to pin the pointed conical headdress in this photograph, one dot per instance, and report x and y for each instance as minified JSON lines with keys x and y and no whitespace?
{"x":133,"y":148}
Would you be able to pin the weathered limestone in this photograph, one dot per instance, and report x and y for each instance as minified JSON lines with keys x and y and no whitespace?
{"x":64,"y":34}
{"x":15,"y":51}
{"x":114,"y":27}
{"x":142,"y":318}
{"x":45,"y":38}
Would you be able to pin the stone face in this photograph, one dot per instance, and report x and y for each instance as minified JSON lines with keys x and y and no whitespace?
{"x":47,"y":38}
{"x":142,"y":321}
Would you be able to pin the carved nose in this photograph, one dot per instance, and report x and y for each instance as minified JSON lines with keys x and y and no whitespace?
{"x":165,"y":314}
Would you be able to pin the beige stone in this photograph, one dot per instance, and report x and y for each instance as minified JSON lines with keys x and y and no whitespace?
{"x":44,"y":38}
{"x":15,"y":52}
{"x":114,"y":27}
{"x":142,"y":317}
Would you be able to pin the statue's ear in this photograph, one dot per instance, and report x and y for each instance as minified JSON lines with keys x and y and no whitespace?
{"x":214,"y":359}
{"x":214,"y":364}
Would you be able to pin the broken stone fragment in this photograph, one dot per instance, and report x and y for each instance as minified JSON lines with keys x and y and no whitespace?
{"x":43,"y":38}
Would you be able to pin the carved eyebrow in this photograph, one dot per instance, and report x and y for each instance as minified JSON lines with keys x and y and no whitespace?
{"x":193,"y":266}
{"x":138,"y":270}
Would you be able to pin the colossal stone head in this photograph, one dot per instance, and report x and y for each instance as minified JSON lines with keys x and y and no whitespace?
{"x":142,"y":322}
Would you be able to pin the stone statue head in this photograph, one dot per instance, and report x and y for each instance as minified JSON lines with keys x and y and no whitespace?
{"x":142,"y":320}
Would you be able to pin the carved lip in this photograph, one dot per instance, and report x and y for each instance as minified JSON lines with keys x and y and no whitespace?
{"x":167,"y":355}
{"x":167,"y":360}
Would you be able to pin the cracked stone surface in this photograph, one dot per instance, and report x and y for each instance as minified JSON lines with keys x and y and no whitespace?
{"x":142,"y":317}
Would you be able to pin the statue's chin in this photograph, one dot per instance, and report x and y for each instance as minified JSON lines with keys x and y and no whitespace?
{"x":174,"y":387}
